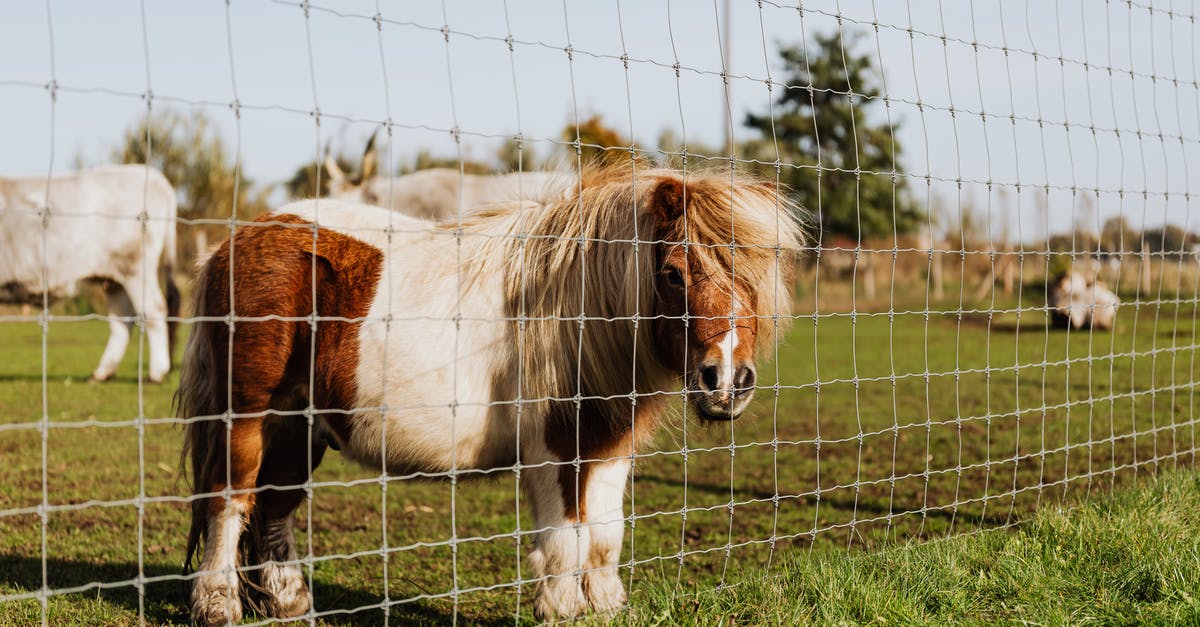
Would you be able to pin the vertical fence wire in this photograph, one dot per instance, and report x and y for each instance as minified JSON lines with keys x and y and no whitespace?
{"x":909,"y":413}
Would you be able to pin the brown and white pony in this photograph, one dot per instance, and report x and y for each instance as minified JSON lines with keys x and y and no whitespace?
{"x":579,"y":319}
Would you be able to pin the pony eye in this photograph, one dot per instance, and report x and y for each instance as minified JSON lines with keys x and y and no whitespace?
{"x":674,"y":277}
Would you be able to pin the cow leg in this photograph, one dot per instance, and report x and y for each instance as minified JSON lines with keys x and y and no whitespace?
{"x":119,"y":307}
{"x":215,"y":599}
{"x":561,"y":545}
{"x":272,"y":542}
{"x":146,"y":298}
{"x":605,"y":492}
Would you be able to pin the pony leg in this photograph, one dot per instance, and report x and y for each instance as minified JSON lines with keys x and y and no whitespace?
{"x":215,"y":594}
{"x":146,"y":297}
{"x":561,"y":545}
{"x":272,"y":541}
{"x":605,"y":493}
{"x":118,"y":332}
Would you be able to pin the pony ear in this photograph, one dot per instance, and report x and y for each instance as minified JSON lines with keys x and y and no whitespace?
{"x":669,"y":198}
{"x":331,"y":168}
{"x":370,"y":161}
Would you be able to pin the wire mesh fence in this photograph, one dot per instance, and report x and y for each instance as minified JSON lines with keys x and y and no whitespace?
{"x":937,"y":259}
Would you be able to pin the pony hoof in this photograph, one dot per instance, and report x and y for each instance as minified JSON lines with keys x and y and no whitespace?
{"x":605,"y":592}
{"x":285,"y":588}
{"x":559,"y":599}
{"x":218,"y":605}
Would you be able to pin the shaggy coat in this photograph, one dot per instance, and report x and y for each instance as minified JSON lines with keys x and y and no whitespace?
{"x":550,"y":336}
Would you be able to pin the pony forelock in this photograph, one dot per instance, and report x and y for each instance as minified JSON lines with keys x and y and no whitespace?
{"x":579,"y":271}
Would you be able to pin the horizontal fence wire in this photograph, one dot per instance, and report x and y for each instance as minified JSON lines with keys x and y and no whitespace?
{"x":993,"y":310}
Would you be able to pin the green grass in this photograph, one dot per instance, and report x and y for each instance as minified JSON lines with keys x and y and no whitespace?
{"x":927,"y":429}
{"x":1130,"y":557}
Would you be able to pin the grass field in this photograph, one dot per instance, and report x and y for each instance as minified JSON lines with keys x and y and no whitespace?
{"x":1129,"y":557}
{"x":885,"y":428}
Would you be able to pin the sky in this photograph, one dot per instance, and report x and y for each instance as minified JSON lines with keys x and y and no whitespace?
{"x":1037,"y":113}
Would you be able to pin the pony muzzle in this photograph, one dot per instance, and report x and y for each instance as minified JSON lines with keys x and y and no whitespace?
{"x":722,"y":391}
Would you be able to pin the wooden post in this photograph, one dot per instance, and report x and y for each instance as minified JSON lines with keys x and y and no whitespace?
{"x":868,"y":270}
{"x":989,"y":280}
{"x":1144,"y":288}
{"x":1009,"y":273}
{"x":201,"y":240}
{"x":935,"y":272}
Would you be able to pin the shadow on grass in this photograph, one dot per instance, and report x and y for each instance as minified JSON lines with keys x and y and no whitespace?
{"x":1037,"y":325}
{"x":862,"y":506}
{"x":1024,"y":327}
{"x":166,"y":601}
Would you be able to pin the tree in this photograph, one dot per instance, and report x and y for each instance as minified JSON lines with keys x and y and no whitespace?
{"x":1117,"y":235}
{"x":517,"y":155}
{"x":1169,"y":239}
{"x":304,"y":182}
{"x":821,"y":119}
{"x":426,"y":160}
{"x":595,"y":137}
{"x":964,"y":228}
{"x":190,"y":152}
{"x":193,"y":156}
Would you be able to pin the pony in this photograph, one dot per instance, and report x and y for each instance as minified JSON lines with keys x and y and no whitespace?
{"x":113,"y":223}
{"x":437,"y":194}
{"x":1076,"y":301}
{"x":546,"y":337}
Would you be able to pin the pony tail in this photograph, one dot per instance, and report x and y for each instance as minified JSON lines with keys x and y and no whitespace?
{"x":170,"y":251}
{"x":200,"y":397}
{"x":173,"y":302}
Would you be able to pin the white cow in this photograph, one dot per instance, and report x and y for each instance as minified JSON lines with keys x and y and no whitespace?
{"x":437,"y":193}
{"x":1076,"y":301}
{"x":113,"y":223}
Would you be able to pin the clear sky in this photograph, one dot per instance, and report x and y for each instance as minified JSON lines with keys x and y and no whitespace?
{"x":1077,"y":95}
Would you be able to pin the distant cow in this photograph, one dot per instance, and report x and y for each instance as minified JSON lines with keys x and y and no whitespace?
{"x":1076,"y":302}
{"x":438,"y":193}
{"x":113,"y":223}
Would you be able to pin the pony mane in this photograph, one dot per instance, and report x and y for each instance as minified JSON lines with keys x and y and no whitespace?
{"x":592,"y":256}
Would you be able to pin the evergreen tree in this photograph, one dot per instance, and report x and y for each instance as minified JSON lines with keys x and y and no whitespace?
{"x":822,"y":119}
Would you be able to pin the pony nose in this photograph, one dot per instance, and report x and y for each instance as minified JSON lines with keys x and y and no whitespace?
{"x":744,"y":381}
{"x":708,"y":377}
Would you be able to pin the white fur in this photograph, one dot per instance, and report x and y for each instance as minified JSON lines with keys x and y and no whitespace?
{"x":438,"y":350}
{"x":437,"y":379}
{"x":606,"y":525}
{"x":285,"y":585}
{"x":215,"y":598}
{"x":726,"y":345}
{"x":1083,"y":301}
{"x":560,"y":548}
{"x":442,"y":194}
{"x":93,"y":229}
{"x":119,"y":307}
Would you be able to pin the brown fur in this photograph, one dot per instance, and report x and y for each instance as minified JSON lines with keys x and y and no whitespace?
{"x":270,"y":358}
{"x":646,"y":328}
{"x":598,"y":441}
{"x":693,"y":221}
